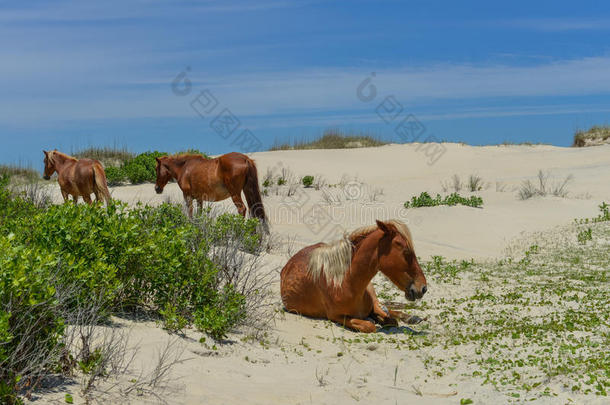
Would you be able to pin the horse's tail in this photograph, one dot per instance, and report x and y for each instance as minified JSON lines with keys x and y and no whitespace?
{"x":253,"y":195}
{"x":100,"y":186}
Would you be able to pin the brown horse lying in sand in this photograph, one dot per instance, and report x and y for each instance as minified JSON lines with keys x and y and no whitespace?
{"x":216,"y":179}
{"x":77,"y":177}
{"x":333,"y":281}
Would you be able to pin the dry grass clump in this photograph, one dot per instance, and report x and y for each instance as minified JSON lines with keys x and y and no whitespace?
{"x":596,"y":135}
{"x":542,"y":187}
{"x":332,"y":139}
{"x":108,"y":155}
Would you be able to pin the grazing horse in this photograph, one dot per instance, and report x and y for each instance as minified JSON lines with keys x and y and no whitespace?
{"x":333,"y":280}
{"x":76,"y":177}
{"x":216,"y":179}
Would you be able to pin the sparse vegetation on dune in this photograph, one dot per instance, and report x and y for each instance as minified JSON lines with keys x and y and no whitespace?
{"x":332,"y":139}
{"x":425,"y":200}
{"x":596,"y":135}
{"x":533,"y":324}
{"x":544,"y":187}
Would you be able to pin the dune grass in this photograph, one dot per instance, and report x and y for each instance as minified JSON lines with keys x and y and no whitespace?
{"x":19,"y":172}
{"x":595,"y":135}
{"x":108,"y":155}
{"x":332,"y":139}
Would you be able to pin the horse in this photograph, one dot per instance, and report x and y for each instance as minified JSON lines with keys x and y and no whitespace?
{"x":333,"y":281}
{"x":77,"y":177}
{"x":217,"y":179}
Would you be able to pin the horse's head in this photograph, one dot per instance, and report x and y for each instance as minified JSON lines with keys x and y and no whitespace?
{"x":49,"y":164}
{"x":398,"y":262}
{"x":163,"y":174}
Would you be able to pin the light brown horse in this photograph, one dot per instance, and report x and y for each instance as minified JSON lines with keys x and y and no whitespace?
{"x":333,"y":281}
{"x":76,"y":177}
{"x":216,"y":179}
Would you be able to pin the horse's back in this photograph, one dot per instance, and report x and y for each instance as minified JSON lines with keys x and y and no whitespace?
{"x":300,"y":293}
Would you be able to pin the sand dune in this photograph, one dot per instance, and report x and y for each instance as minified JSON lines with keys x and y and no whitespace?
{"x":307,"y":361}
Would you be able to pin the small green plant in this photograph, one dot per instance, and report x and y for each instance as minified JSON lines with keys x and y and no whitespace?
{"x":475,"y":183}
{"x":584,"y":236}
{"x":425,"y":200}
{"x":307,"y":181}
{"x":281,"y":181}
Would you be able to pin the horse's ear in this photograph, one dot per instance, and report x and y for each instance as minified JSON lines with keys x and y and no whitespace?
{"x":45,"y":152}
{"x":158,"y":160}
{"x":387,"y":229}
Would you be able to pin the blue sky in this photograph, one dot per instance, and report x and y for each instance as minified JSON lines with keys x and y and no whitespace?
{"x":78,"y":73}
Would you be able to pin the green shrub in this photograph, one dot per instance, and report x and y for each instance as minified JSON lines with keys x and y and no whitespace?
{"x":114,"y":175}
{"x":30,"y":331}
{"x":128,"y":258}
{"x":425,"y":200}
{"x":307,"y":181}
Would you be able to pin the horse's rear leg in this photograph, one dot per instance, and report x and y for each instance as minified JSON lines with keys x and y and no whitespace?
{"x":75,"y":198}
{"x":239,"y":203}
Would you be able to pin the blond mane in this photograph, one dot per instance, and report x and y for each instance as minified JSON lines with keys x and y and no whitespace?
{"x":52,"y":153}
{"x":334,"y":259}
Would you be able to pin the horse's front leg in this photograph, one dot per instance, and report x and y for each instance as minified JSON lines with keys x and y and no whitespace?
{"x":380,"y":314}
{"x":361,"y":325}
{"x":86,"y":198}
{"x":65,"y":196}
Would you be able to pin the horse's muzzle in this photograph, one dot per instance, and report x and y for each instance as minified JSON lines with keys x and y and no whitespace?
{"x":46,"y":177}
{"x":158,"y":189}
{"x":413,"y":293}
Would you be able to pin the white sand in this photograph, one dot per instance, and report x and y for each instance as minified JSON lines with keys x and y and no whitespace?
{"x":284,"y":371}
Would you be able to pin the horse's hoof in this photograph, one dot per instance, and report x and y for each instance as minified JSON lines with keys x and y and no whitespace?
{"x":414,"y":320}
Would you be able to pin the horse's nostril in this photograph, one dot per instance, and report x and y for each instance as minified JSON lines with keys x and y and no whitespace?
{"x":424,"y":289}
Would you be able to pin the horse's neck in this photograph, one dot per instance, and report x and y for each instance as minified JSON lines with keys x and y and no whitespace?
{"x":62,"y":161}
{"x":364,"y":264}
{"x":176,"y":168}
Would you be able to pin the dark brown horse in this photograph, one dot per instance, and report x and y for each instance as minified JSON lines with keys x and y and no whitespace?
{"x":333,"y":281}
{"x":77,"y":177}
{"x":216,"y":179}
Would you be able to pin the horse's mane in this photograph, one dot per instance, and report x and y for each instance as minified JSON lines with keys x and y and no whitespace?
{"x":333,"y":259}
{"x":53,"y":153}
{"x":185,"y":157}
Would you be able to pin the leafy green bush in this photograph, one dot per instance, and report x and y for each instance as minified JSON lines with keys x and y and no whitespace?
{"x":424,"y":200}
{"x":307,"y":181}
{"x":138,"y":258}
{"x":30,"y":331}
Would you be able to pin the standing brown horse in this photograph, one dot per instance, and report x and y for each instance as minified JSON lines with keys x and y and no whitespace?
{"x":76,"y":177}
{"x":333,"y":281}
{"x":216,"y":179}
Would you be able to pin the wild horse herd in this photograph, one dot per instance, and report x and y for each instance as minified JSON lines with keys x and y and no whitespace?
{"x":325,"y":280}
